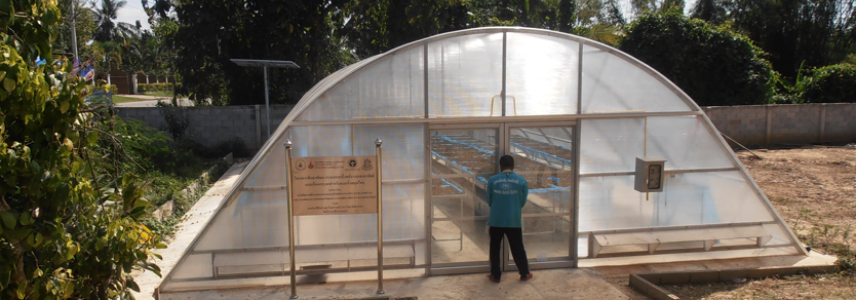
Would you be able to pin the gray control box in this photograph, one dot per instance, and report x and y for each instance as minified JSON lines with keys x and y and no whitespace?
{"x":650,"y":172}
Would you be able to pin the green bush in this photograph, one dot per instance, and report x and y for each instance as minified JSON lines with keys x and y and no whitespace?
{"x":157,"y":87}
{"x":832,"y":84}
{"x":713,"y":65}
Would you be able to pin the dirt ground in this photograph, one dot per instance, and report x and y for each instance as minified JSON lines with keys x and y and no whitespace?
{"x":814,"y":190}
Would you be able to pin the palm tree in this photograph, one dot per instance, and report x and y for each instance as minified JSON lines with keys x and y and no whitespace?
{"x":108,"y":30}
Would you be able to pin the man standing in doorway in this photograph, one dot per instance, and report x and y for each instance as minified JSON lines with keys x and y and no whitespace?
{"x":506,"y":196}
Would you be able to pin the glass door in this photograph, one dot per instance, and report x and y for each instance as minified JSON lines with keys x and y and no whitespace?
{"x":461,"y":161}
{"x":544,"y":155}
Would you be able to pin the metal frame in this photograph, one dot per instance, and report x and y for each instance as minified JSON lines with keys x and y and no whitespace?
{"x":346,"y":73}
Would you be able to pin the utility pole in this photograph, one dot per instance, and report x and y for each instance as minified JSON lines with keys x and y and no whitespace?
{"x":74,"y":31}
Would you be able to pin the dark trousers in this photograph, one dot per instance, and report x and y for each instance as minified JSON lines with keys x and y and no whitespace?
{"x":515,"y":241}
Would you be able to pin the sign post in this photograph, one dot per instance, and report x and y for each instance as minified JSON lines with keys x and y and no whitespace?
{"x":287,"y":145}
{"x":378,"y":144}
{"x":344,"y":185}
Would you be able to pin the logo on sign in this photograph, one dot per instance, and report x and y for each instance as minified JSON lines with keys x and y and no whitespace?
{"x":367,"y":164}
{"x":311,"y":165}
{"x":300,"y":165}
{"x":352,"y":163}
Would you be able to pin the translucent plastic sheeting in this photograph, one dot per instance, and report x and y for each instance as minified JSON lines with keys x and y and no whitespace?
{"x":403,"y":149}
{"x":612,"y":84}
{"x":307,"y":141}
{"x":685,"y":142}
{"x":404,"y":208}
{"x":687,"y":199}
{"x":194,"y":266}
{"x":257,"y":219}
{"x":541,"y":75}
{"x":391,"y":87}
{"x":464,"y":74}
{"x":611,"y":145}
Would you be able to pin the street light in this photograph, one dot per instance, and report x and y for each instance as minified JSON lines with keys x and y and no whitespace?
{"x":265,"y":64}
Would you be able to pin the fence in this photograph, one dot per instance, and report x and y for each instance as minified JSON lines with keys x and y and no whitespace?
{"x":751,"y":125}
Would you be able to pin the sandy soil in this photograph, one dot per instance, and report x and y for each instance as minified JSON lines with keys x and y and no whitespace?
{"x":813,"y":189}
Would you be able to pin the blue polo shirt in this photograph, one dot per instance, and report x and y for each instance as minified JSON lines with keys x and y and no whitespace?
{"x":506,"y":195}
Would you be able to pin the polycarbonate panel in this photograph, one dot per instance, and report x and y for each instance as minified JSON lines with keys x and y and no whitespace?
{"x":710,"y":198}
{"x":611,"y":145}
{"x":403,"y":149}
{"x":195,"y":266}
{"x":390,"y":87}
{"x":612,"y":203}
{"x":257,"y":219}
{"x":306,"y":141}
{"x":464,"y":75}
{"x":685,"y":142}
{"x":612,"y":84}
{"x":403,"y":207}
{"x":687,"y":199}
{"x":541,"y":75}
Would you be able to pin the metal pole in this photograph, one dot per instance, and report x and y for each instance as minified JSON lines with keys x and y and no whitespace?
{"x":74,"y":30}
{"x":287,"y":145}
{"x":267,"y":104}
{"x":378,"y":143}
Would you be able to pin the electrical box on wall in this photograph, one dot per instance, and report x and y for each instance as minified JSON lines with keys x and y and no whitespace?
{"x":650,"y":172}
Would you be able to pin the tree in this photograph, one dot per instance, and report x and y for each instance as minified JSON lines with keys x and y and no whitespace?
{"x":107,"y":30}
{"x":713,"y":65}
{"x":832,"y":84}
{"x":85,"y":25}
{"x":212,"y":33}
{"x":817,"y":32}
{"x":711,"y":11}
{"x":65,"y":232}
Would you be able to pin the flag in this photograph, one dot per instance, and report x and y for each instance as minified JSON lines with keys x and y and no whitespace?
{"x":88,"y":73}
{"x":76,"y":67}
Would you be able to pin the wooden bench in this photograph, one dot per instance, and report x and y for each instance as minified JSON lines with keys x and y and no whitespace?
{"x":654,"y":237}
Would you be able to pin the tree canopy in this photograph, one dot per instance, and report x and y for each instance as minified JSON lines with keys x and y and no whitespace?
{"x":713,"y":65}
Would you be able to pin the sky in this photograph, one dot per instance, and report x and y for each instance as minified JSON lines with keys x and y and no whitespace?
{"x":133,"y":11}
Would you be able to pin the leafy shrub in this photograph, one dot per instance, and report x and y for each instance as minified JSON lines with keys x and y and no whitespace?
{"x":71,"y":219}
{"x":832,"y":84}
{"x":713,"y":65}
{"x":157,"y":87}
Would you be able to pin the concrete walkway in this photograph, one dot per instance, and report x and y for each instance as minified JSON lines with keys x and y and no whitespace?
{"x":194,"y":221}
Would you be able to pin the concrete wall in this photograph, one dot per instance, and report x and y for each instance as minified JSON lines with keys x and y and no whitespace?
{"x":212,"y":125}
{"x":763,"y":125}
{"x":752,"y":125}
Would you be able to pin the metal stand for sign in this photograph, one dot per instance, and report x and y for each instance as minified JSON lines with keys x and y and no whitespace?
{"x":379,"y":167}
{"x":287,"y":145}
{"x":380,"y":291}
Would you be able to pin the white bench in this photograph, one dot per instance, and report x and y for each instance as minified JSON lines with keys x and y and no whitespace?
{"x":654,"y":238}
{"x":311,"y":259}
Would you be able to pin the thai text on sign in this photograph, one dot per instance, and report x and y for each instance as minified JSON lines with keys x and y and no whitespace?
{"x":334,"y":185}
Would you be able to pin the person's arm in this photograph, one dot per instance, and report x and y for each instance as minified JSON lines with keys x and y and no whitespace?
{"x":524,"y":190}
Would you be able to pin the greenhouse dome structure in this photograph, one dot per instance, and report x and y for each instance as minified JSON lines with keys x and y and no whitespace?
{"x":576,"y":115}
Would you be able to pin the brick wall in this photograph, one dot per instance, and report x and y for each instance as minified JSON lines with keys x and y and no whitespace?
{"x":751,"y":125}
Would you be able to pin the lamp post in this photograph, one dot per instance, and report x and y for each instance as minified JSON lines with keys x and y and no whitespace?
{"x":265,"y":64}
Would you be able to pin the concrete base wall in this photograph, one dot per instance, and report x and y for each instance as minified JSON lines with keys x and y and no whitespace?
{"x":765,"y":125}
{"x":213,"y":125}
{"x":751,"y":125}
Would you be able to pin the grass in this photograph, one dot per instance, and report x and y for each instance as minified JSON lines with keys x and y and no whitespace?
{"x":123,"y":99}
{"x":160,"y":94}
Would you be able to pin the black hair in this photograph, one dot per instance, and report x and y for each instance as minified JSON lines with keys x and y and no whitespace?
{"x":506,"y":161}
